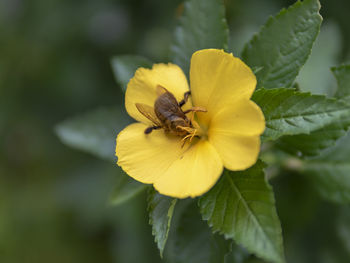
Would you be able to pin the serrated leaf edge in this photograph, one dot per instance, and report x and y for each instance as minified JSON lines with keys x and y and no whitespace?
{"x":273,"y":19}
{"x":150,"y":208}
{"x":228,"y":236}
{"x":294,"y":92}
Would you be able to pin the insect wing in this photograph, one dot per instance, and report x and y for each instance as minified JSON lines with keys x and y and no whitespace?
{"x":148,"y":112}
{"x":166,"y":99}
{"x":161,"y":90}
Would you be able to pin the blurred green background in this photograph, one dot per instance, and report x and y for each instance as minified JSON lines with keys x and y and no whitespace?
{"x":55,"y":63}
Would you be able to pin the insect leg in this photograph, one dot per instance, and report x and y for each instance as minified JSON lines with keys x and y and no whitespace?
{"x":186,"y":95}
{"x":191,"y":133}
{"x":151,"y":128}
{"x":196,"y":109}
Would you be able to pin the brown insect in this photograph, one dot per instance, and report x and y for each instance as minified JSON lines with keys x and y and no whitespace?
{"x":168,"y":114}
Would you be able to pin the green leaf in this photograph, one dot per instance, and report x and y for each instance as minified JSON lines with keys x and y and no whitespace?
{"x":283,"y":44}
{"x":314,"y":143}
{"x":203,"y":25}
{"x":331,"y":179}
{"x":342,"y":74}
{"x":330,"y":172}
{"x":308,"y":145}
{"x":288,"y":112}
{"x":315,"y":76}
{"x":94,"y":132}
{"x":338,"y":153}
{"x":124,"y":68}
{"x":242,"y":207}
{"x":125,"y":189}
{"x":160,"y":209}
{"x":190,"y":239}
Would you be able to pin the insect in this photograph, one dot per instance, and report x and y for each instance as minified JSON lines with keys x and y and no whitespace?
{"x":167,"y":113}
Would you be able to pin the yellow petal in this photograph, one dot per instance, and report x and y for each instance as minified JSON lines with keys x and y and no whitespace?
{"x":193,"y":174}
{"x":218,"y":78}
{"x":241,"y":118}
{"x":142,"y":87}
{"x":146,"y":157}
{"x":238,"y":152}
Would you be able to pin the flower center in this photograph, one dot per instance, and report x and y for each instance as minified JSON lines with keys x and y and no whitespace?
{"x":195,"y":129}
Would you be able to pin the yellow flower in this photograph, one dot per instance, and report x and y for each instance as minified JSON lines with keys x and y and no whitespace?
{"x":228,"y":134}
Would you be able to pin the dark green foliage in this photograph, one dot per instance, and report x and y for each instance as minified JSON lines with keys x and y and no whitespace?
{"x":56,"y":65}
{"x":203,"y":25}
{"x":94,"y":132}
{"x":190,"y":239}
{"x":342,"y":74}
{"x":124,"y":68}
{"x":241,"y":206}
{"x":125,"y":189}
{"x":283,"y":44}
{"x":160,"y":209}
{"x":289,"y":112}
